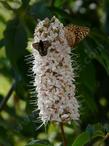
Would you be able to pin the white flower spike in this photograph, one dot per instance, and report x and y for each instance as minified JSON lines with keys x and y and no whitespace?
{"x":54,"y":75}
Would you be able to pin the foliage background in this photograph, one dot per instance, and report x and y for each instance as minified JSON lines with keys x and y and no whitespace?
{"x":17,"y":23}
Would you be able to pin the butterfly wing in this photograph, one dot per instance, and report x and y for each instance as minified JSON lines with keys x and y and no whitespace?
{"x":74,"y":34}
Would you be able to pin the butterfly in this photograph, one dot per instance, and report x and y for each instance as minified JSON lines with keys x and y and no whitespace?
{"x":74,"y":34}
{"x":42,"y":47}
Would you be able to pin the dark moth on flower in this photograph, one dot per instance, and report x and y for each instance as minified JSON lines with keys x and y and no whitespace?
{"x":42,"y":47}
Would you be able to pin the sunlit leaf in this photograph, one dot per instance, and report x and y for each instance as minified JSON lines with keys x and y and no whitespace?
{"x":38,"y":143}
{"x":82,"y":139}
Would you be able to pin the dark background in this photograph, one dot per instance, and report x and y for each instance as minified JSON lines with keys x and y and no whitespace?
{"x":18,"y":19}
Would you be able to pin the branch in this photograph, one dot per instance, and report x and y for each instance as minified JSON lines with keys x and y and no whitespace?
{"x":5,"y":99}
{"x":63,"y":134}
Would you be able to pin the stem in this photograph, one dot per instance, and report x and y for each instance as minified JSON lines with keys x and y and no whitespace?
{"x":4,"y":101}
{"x":63,"y":134}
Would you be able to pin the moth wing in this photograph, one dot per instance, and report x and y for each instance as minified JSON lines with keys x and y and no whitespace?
{"x":46,"y":44}
{"x":35,"y":46}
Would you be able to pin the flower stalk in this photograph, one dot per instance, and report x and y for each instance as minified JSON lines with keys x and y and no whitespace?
{"x":63,"y":134}
{"x":54,"y":76}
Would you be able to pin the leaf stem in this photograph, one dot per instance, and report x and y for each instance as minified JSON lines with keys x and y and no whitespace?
{"x":5,"y":99}
{"x":63,"y":134}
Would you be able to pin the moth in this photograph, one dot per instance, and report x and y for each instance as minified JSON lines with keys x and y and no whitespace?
{"x":42,"y":47}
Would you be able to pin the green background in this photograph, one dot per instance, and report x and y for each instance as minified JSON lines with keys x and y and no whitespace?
{"x":18,"y":124}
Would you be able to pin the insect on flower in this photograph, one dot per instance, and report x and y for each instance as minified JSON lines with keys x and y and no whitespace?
{"x":74,"y":34}
{"x":42,"y":47}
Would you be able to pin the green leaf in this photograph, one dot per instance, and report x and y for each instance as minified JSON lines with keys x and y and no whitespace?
{"x":87,"y":87}
{"x":82,"y":139}
{"x":6,"y":5}
{"x":95,"y":130}
{"x":38,"y":143}
{"x":15,"y":40}
{"x":61,"y":14}
{"x":92,"y":132}
{"x":97,"y":48}
{"x":40,"y":10}
{"x":102,"y":56}
{"x":25,"y":3}
{"x":2,"y":42}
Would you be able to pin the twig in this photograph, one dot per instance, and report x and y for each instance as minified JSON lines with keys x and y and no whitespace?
{"x":5,"y":99}
{"x":63,"y":134}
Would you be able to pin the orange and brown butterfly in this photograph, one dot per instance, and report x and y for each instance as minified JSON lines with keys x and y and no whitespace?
{"x":74,"y":34}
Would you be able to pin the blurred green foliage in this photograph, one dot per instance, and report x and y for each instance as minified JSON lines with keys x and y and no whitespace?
{"x":18,"y":19}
